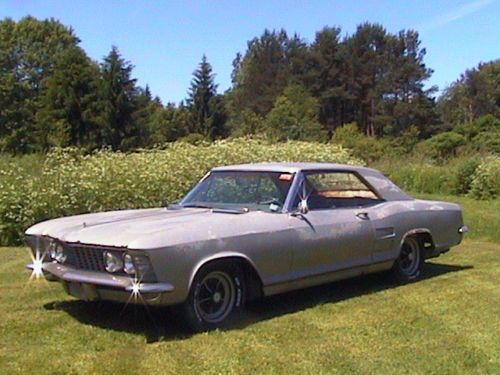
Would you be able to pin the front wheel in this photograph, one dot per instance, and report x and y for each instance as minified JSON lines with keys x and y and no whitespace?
{"x":215,"y":298}
{"x":409,"y":265}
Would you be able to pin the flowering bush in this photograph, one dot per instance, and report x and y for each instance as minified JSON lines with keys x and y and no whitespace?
{"x":70,"y":182}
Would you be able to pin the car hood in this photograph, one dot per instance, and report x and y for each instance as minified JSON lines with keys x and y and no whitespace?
{"x":144,"y":228}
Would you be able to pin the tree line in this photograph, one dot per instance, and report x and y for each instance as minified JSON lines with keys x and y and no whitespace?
{"x":53,"y":94}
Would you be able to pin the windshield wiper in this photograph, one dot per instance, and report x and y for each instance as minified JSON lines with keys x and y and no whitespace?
{"x":227,"y":210}
{"x":196,"y":205}
{"x":243,"y":210}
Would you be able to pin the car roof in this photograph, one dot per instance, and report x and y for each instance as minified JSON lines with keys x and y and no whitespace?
{"x":384,"y":187}
{"x":288,"y":167}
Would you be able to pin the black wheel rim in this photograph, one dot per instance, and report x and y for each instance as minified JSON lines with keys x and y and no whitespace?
{"x":409,"y":257}
{"x":214,"y":297}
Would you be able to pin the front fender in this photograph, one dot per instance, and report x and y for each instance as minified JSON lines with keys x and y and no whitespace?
{"x":223,"y":255}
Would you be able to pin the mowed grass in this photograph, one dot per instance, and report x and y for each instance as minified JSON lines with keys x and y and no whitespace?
{"x":446,"y":323}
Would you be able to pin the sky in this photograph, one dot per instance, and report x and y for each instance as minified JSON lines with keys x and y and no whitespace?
{"x":165,"y":39}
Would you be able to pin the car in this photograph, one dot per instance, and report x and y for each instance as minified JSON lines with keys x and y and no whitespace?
{"x":244,"y":232}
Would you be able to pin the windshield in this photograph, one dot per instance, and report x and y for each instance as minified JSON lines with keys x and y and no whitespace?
{"x":263,"y":191}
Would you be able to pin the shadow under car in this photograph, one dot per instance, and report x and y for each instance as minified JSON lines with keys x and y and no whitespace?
{"x":162,"y":323}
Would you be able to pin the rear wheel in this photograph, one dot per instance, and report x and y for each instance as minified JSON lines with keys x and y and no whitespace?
{"x":409,"y":265}
{"x":215,"y":298}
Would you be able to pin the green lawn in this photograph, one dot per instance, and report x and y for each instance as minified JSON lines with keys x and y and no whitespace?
{"x":447,"y":323}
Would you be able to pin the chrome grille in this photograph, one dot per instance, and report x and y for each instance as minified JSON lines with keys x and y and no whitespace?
{"x":86,"y":257}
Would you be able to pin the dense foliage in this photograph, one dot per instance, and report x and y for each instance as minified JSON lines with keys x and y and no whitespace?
{"x":476,"y":93}
{"x":478,"y":178}
{"x":53,"y":94}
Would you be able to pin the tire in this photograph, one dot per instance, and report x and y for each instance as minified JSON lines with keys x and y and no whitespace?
{"x":410,"y":263}
{"x":216,"y":297}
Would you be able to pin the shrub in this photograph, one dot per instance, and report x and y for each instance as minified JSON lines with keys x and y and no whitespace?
{"x":194,"y":139}
{"x":406,"y":142}
{"x":295,"y":116}
{"x":70,"y":182}
{"x":442,"y":146}
{"x":420,"y":177}
{"x":246,"y":123}
{"x":482,"y":134}
{"x":488,"y":141}
{"x":367,"y":148}
{"x":486,"y":179}
{"x":465,"y":174}
{"x":347,"y":135}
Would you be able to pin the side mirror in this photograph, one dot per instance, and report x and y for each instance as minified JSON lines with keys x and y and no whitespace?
{"x":303,"y":208}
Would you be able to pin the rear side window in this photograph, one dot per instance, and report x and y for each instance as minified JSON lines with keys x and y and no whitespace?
{"x":326,"y":190}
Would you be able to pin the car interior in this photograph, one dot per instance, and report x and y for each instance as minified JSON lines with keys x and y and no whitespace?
{"x":328,"y":190}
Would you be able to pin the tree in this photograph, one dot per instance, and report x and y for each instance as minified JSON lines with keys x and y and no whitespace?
{"x":268,"y":65}
{"x":29,"y":50}
{"x":70,"y":102}
{"x":295,"y":116}
{"x":246,"y":123}
{"x":145,"y":109}
{"x":366,"y":66}
{"x":325,"y":77}
{"x":476,"y":93}
{"x":168,"y":124}
{"x":201,"y":102}
{"x":405,"y":101}
{"x":118,"y":101}
{"x":218,"y":118}
{"x":386,"y":75}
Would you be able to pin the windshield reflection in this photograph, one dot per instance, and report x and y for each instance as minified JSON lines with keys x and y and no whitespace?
{"x":254,"y":191}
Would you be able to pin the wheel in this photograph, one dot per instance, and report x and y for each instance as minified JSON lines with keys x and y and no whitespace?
{"x":216,"y":297}
{"x":409,"y":265}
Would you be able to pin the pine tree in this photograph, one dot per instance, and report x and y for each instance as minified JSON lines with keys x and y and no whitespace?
{"x":118,"y":101}
{"x":201,"y":92}
{"x":326,"y":77}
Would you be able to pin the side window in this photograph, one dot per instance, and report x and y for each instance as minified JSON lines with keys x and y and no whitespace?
{"x":327,"y":190}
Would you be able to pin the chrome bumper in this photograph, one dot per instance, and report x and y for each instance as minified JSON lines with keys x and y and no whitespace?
{"x":56,"y":272}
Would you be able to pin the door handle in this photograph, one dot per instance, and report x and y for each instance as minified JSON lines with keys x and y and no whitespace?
{"x":363,"y":215}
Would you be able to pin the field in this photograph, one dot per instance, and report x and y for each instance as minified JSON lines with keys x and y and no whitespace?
{"x":447,"y":323}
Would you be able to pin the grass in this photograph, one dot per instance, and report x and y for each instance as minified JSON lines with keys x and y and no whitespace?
{"x":447,"y":323}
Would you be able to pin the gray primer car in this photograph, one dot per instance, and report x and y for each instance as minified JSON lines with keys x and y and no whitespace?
{"x":247,"y":231}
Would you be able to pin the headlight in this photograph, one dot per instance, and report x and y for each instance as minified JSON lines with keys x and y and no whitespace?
{"x":128,"y":264}
{"x":57,"y":252}
{"x":112,"y":261}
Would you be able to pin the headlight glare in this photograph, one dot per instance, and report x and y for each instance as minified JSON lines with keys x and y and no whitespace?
{"x":128,"y":265}
{"x":113,"y":262}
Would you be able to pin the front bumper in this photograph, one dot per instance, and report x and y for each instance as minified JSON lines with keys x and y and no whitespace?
{"x":92,"y":285}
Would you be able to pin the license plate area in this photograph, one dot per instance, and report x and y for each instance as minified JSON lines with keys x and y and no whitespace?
{"x":85,"y":292}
